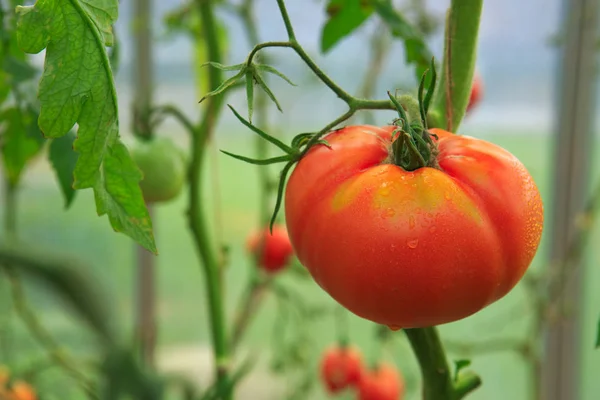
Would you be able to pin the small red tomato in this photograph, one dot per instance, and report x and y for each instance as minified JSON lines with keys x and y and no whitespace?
{"x":273,"y":250}
{"x":383,"y":383}
{"x":341,"y":367}
{"x":476,"y":92}
{"x":23,"y":391}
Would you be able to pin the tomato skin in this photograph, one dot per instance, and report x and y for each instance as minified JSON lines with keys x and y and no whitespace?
{"x":23,"y":391}
{"x":163,"y":167}
{"x":412,"y":249}
{"x":276,"y":248}
{"x":476,"y":92}
{"x":384,"y":383}
{"x":341,"y":367}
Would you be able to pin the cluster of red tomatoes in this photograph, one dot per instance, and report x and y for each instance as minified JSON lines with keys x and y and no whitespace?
{"x":273,"y":250}
{"x":342,"y":368}
{"x":17,"y":390}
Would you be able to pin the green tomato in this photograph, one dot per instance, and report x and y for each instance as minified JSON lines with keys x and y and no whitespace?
{"x":163,"y":166}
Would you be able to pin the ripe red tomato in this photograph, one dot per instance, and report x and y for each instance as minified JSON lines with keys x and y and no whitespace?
{"x":383,"y":383}
{"x":476,"y":92}
{"x":341,"y":367}
{"x":273,"y":250}
{"x":22,"y":391}
{"x":415,"y":248}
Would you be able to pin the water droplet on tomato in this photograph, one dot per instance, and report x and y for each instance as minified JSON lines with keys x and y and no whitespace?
{"x":412,"y":243}
{"x":447,"y":196}
{"x":394,"y":327}
{"x":390,"y":212}
{"x":432,"y":229}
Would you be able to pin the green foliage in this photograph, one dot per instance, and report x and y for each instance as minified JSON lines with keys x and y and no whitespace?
{"x":21,"y":140}
{"x":459,"y":365}
{"x":185,"y":20}
{"x":598,"y":335}
{"x":416,"y":50}
{"x":67,"y":279}
{"x":252,"y":73}
{"x":63,"y":160}
{"x":126,"y":377}
{"x":345,"y":16}
{"x":84,"y":93}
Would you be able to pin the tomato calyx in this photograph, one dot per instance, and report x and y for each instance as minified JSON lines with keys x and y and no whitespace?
{"x":413,"y":146}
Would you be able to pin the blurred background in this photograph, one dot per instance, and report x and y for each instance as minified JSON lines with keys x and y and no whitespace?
{"x":519,"y":61}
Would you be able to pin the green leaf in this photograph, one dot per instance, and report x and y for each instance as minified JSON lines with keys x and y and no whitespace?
{"x":115,"y":53}
{"x":460,"y":365}
{"x":270,"y":69}
{"x":262,"y":134}
{"x":261,"y":82}
{"x":267,"y":161}
{"x":126,"y":378}
{"x":21,"y":141}
{"x":598,"y":335}
{"x":224,"y":86}
{"x":416,"y":49}
{"x":348,"y":16}
{"x":66,"y":278}
{"x":103,"y":13}
{"x":20,"y":70}
{"x":63,"y":160}
{"x":77,"y":86}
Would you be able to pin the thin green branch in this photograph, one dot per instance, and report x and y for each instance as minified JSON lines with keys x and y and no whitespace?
{"x":58,"y":355}
{"x":178,"y":115}
{"x":198,"y":221}
{"x":286,"y":20}
{"x":248,"y":307}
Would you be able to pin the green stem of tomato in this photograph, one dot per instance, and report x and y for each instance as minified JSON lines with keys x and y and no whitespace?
{"x":460,"y":54}
{"x":197,"y":216}
{"x":437,"y":378}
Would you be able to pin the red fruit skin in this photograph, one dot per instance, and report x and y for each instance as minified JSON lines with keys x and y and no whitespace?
{"x":412,"y":249}
{"x":476,"y":93}
{"x":384,"y":383}
{"x":273,"y":250}
{"x":341,"y":368}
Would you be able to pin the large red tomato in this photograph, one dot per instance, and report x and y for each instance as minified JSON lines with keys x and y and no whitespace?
{"x":413,"y":248}
{"x":273,"y":250}
{"x":341,"y":367}
{"x":383,"y":383}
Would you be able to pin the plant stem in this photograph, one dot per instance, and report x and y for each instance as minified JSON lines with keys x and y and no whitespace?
{"x":286,"y":20}
{"x":145,"y":294}
{"x":260,"y":110}
{"x":437,"y":379}
{"x":10,"y":231}
{"x":248,"y":308}
{"x":10,"y":210}
{"x":460,"y":53}
{"x":437,"y":382}
{"x":197,"y":216}
{"x":35,"y":327}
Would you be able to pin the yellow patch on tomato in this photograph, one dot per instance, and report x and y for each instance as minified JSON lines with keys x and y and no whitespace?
{"x":345,"y":194}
